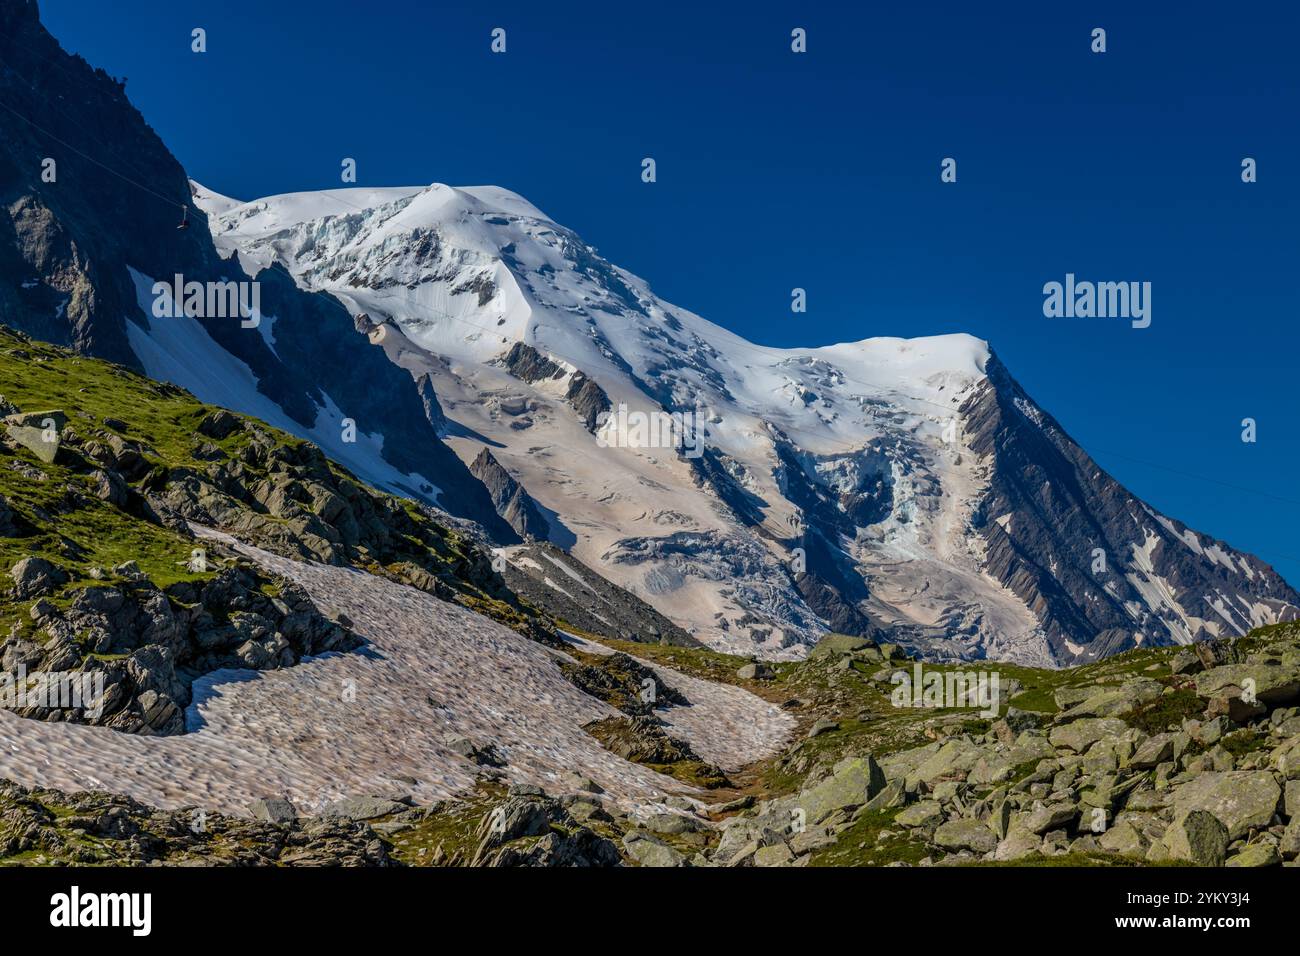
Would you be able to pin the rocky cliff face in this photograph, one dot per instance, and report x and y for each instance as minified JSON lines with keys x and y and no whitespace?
{"x":1090,"y":559}
{"x":67,"y":248}
{"x":511,"y":500}
{"x":133,"y":650}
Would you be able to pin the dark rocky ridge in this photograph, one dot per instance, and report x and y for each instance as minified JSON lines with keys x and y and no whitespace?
{"x":512,"y":501}
{"x":1062,"y":507}
{"x":624,"y":684}
{"x":588,"y":601}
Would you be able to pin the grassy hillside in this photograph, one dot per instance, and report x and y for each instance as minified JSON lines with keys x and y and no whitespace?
{"x":278,"y":491}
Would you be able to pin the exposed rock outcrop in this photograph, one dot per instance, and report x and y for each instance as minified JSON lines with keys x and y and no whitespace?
{"x":124,"y":655}
{"x":512,"y":502}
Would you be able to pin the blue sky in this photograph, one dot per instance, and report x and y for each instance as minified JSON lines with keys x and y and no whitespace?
{"x":821,"y":171}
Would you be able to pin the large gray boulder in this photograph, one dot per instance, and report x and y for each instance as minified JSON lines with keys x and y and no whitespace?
{"x":38,"y":432}
{"x":1246,"y":690}
{"x":965,"y":834}
{"x":1113,"y":701}
{"x":852,"y":783}
{"x":34,"y":576}
{"x":647,"y":851}
{"x":1082,"y":734}
{"x":1041,"y":819}
{"x":1125,"y":839}
{"x":1198,"y":837}
{"x":1257,"y":854}
{"x":369,"y":808}
{"x":1152,"y":752}
{"x":1018,"y":844}
{"x":923,"y":813}
{"x":956,"y":758}
{"x":273,"y":810}
{"x":1240,"y":799}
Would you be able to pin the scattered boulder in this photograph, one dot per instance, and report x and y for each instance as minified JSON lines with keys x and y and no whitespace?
{"x":1125,"y":839}
{"x":363,"y":808}
{"x":1113,"y":701}
{"x":1257,"y":854}
{"x":671,"y":824}
{"x":823,"y":726}
{"x":219,"y":424}
{"x":484,"y":755}
{"x":35,"y":576}
{"x":852,"y":783}
{"x":965,"y":834}
{"x":923,"y":814}
{"x":1152,"y":752}
{"x":1245,"y":691}
{"x":273,"y":810}
{"x":1017,"y":844}
{"x":776,"y":854}
{"x":580,"y":783}
{"x":1082,"y":734}
{"x":38,"y":432}
{"x":646,"y":850}
{"x":1198,"y":837}
{"x":1240,"y":800}
{"x":1042,"y":819}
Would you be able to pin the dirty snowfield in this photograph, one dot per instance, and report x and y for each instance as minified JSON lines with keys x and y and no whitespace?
{"x":369,"y":722}
{"x":722,"y":731}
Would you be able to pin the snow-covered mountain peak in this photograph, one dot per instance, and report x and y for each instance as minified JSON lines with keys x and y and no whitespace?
{"x":887,"y":484}
{"x":451,"y":256}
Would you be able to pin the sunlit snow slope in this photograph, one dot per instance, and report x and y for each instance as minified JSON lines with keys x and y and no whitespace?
{"x":906,"y":489}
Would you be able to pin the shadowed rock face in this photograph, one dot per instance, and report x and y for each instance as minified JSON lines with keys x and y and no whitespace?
{"x":584,"y":599}
{"x":1051,"y":515}
{"x":65,"y":247}
{"x":432,"y":408}
{"x":526,"y":363}
{"x":511,"y":500}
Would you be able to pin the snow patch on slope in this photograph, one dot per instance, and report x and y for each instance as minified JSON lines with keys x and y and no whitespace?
{"x":436,"y":672}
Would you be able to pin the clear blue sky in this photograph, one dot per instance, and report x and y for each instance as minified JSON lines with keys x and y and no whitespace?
{"x":822,"y":171}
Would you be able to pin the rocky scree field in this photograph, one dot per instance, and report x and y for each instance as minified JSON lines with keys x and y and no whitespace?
{"x":1170,"y":756}
{"x":1150,"y":758}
